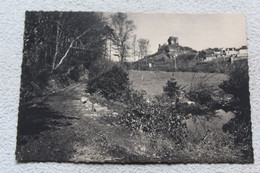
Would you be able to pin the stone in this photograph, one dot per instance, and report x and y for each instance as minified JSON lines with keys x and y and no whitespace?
{"x":190,"y":102}
{"x":98,"y":109}
{"x":84,"y":99}
{"x":88,"y":105}
{"x":114,"y":113}
{"x":101,"y":108}
{"x":91,"y":115}
{"x":95,"y":105}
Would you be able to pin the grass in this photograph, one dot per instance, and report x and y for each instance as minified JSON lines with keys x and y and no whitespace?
{"x":153,"y":81}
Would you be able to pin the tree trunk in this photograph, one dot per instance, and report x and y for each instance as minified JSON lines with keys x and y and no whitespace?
{"x":57,"y":46}
{"x":68,"y":50}
{"x":65,"y":55}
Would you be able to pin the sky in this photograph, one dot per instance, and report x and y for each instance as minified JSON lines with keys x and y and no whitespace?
{"x":198,"y":31}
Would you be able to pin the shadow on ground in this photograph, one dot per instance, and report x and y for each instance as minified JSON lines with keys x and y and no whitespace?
{"x":38,"y":137}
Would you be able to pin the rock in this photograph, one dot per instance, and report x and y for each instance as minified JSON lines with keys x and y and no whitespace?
{"x":83,"y":99}
{"x":88,"y":105}
{"x":114,"y":113}
{"x":95,"y":105}
{"x":226,"y":116}
{"x":98,"y":109}
{"x":91,"y":115}
{"x":101,"y":108}
{"x":190,"y":102}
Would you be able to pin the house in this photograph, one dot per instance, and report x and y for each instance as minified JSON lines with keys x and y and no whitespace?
{"x":111,"y":51}
{"x":243,"y":52}
{"x":218,"y":53}
{"x":231,"y":51}
{"x":209,"y":55}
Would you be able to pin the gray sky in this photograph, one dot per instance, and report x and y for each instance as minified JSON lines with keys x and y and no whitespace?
{"x":198,"y":31}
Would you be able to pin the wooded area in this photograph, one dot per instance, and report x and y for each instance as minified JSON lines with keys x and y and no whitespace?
{"x":60,"y":46}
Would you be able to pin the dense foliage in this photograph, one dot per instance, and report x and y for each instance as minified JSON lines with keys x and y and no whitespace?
{"x":154,"y":117}
{"x":123,"y":28}
{"x":112,"y":83}
{"x":59,"y":46}
{"x":200,"y":93}
{"x":172,"y":89}
{"x":238,"y":86}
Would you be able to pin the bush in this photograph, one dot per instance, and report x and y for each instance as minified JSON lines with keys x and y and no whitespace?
{"x":193,"y":109}
{"x":156,"y":117}
{"x":186,"y":57}
{"x":98,"y":67}
{"x":201,"y":93}
{"x":172,"y":89}
{"x":112,"y":84}
{"x":238,"y":85}
{"x":75,"y":73}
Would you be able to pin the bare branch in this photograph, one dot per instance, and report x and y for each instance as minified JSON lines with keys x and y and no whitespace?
{"x":71,"y":46}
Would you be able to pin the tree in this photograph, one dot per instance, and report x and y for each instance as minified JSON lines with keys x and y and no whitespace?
{"x":79,"y":34}
{"x":134,"y":46}
{"x":60,"y":44}
{"x":123,"y":29}
{"x":237,"y":85}
{"x":143,"y":45}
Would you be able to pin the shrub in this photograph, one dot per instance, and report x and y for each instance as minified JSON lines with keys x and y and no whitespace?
{"x":172,"y":89}
{"x":112,"y":84}
{"x":238,"y":85}
{"x":155,"y":117}
{"x":200,"y":93}
{"x":186,"y":57}
{"x":98,"y":67}
{"x":76,"y":72}
{"x":193,"y":109}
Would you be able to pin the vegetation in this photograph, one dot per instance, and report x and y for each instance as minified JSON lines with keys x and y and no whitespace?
{"x":58,"y":47}
{"x":155,"y":118}
{"x":112,"y":83}
{"x":164,"y":116}
{"x":143,"y":45}
{"x":59,"y":50}
{"x":172,"y":89}
{"x":123,"y":29}
{"x":238,"y":86}
{"x":201,"y":93}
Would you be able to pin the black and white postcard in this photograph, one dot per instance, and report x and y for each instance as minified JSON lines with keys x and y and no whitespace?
{"x":113,"y":87}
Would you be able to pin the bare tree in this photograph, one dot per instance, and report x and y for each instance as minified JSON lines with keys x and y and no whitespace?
{"x":123,"y":29}
{"x":134,"y":46}
{"x":143,"y":45}
{"x":69,"y":48}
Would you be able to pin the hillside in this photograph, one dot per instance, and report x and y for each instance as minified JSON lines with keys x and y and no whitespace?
{"x":188,"y":62}
{"x":164,"y":58}
{"x":161,"y":61}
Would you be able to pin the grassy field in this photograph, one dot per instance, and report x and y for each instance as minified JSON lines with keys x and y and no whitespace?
{"x":153,"y":82}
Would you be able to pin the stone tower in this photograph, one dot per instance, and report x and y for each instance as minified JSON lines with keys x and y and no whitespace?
{"x":173,"y":40}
